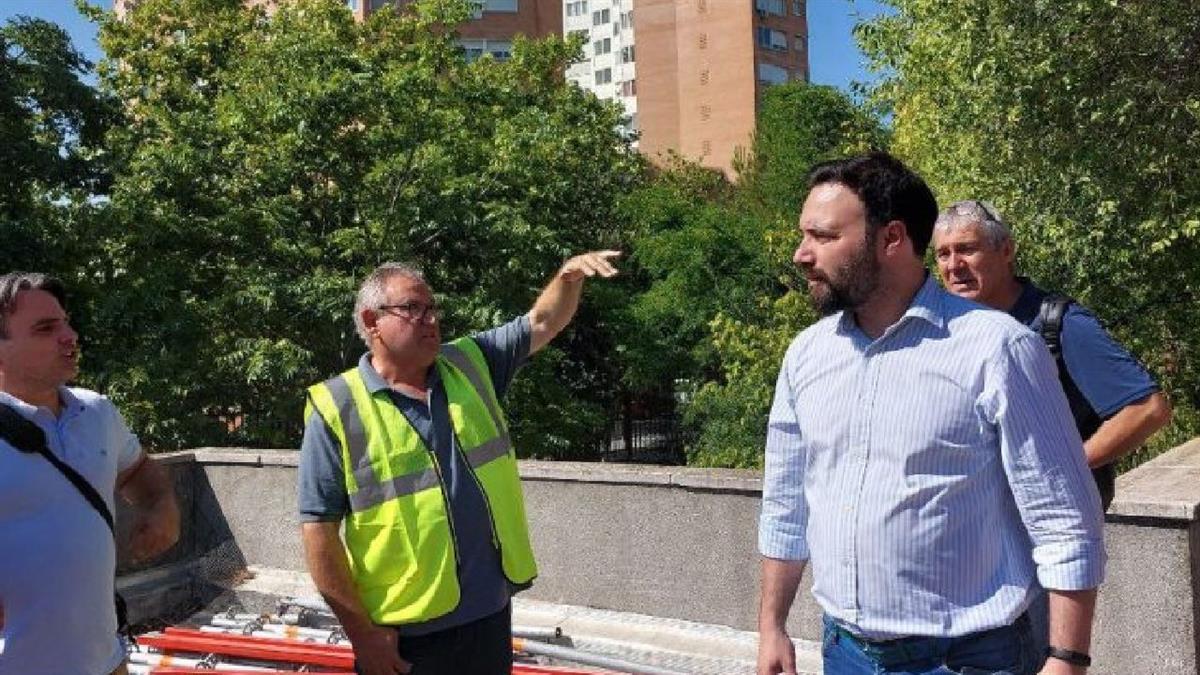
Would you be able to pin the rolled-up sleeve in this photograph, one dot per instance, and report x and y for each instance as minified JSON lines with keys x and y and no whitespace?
{"x":1043,"y":458}
{"x":781,"y":527}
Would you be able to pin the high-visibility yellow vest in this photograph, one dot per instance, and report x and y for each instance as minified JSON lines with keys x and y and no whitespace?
{"x":399,"y":535}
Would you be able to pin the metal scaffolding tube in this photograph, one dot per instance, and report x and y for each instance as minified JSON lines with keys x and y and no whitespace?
{"x":587,"y":659}
{"x":146,"y":659}
{"x":278,"y":629}
{"x":537,"y":633}
{"x":273,"y":648}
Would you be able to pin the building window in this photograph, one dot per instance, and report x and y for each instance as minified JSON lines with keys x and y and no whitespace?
{"x":704,"y":76}
{"x":582,"y":33}
{"x":501,"y":50}
{"x":705,"y":148}
{"x":769,"y":74}
{"x":577,"y":8}
{"x":627,"y":20}
{"x":774,"y":7}
{"x":797,"y":7}
{"x":705,"y":112}
{"x":602,"y":46}
{"x":701,"y":6}
{"x":601,"y":17}
{"x":352,"y":4}
{"x":771,"y":39}
{"x":379,"y":4}
{"x":703,"y":41}
{"x":800,"y":42}
{"x":629,"y":88}
{"x":627,"y":54}
{"x":499,"y":5}
{"x":604,"y":76}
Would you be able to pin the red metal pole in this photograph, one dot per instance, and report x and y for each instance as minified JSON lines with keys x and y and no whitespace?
{"x":268,"y":649}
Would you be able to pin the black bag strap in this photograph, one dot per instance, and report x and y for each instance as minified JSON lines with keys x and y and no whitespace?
{"x":1054,"y":308}
{"x":29,"y":437}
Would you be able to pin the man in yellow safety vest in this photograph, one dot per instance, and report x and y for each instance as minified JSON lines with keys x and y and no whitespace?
{"x":410,"y":451}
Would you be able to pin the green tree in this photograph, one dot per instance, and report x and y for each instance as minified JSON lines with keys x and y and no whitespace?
{"x":1081,"y":121}
{"x":722,"y":298}
{"x":51,"y":125}
{"x":269,"y":162}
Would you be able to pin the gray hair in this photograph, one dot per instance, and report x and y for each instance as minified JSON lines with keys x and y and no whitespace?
{"x":373,"y":292}
{"x":14,"y":282}
{"x":975,"y":212}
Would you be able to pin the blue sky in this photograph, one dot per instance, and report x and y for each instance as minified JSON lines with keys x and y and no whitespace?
{"x":833,"y":57}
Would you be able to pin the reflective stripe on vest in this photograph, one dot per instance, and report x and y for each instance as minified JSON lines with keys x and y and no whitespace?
{"x":399,"y":536}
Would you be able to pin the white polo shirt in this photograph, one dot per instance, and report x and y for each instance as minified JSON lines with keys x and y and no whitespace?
{"x":57,"y":557}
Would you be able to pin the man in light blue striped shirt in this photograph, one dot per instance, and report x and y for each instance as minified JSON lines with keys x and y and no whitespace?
{"x":920,"y":453}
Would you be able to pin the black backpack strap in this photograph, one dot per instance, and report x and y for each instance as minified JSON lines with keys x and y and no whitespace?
{"x":1054,"y":308}
{"x":28,"y":437}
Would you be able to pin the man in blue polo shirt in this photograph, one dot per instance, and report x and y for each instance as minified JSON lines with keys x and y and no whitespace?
{"x":57,"y":555}
{"x":1115,"y":402}
{"x":399,"y":321}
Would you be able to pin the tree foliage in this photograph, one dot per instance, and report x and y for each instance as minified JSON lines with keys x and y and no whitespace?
{"x":1081,"y":121}
{"x":723,"y":299}
{"x":51,"y":126}
{"x":269,"y":161}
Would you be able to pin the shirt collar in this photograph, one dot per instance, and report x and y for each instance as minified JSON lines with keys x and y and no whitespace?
{"x":926,"y":305}
{"x":1029,"y":302}
{"x":71,"y":405}
{"x":375,"y":381}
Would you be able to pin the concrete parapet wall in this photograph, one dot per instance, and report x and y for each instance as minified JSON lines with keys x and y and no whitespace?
{"x":680,"y":543}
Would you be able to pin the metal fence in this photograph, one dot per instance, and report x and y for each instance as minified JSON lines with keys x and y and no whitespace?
{"x":658,"y":440}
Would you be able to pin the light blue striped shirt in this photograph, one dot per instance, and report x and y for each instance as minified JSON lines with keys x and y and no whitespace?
{"x":930,"y":475}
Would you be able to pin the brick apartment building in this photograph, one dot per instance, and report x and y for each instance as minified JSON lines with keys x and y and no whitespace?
{"x":689,"y":72}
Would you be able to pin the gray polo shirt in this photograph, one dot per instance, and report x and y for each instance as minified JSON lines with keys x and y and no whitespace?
{"x":322,"y":487}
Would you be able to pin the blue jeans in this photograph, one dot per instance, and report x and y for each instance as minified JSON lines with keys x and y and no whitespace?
{"x":1008,"y":650}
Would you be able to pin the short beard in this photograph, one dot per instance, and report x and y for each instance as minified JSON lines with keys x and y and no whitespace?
{"x":851,"y":285}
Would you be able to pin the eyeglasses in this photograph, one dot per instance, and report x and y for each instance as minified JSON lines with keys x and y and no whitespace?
{"x":415,"y":312}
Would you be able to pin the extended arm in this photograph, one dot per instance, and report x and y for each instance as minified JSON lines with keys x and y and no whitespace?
{"x":1126,"y":431}
{"x":374,"y":646}
{"x":557,"y":303}
{"x":147,"y":487}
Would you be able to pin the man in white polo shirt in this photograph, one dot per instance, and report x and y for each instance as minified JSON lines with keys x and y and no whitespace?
{"x":57,"y":555}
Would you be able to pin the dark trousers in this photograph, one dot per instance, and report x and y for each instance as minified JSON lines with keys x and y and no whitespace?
{"x":482,"y":647}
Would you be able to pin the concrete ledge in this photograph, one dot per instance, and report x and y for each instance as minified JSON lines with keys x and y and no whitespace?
{"x":1166,"y":487}
{"x":251,"y":456}
{"x":721,"y":480}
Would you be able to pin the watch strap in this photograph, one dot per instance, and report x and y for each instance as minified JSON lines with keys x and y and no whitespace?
{"x":1071,"y":657}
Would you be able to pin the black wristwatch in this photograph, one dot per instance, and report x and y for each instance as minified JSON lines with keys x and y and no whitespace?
{"x":1073,"y":658}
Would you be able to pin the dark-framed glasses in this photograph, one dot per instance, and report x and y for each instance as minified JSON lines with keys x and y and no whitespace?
{"x":413,"y":311}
